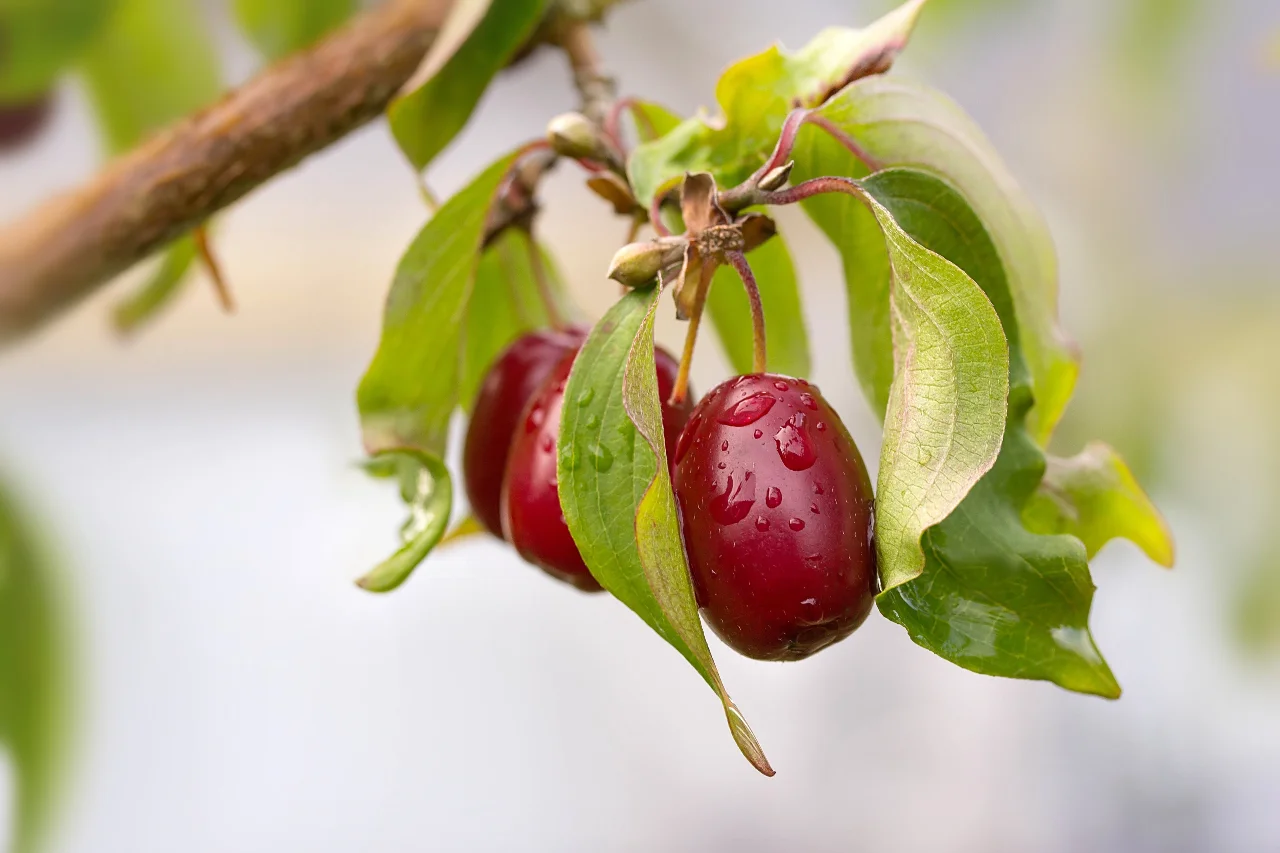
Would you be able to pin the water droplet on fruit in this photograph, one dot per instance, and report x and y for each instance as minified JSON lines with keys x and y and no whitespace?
{"x":821,"y":427}
{"x":794,"y":445}
{"x":586,"y":397}
{"x":553,"y":482}
{"x":759,"y":433}
{"x":548,"y":444}
{"x":537,"y":415}
{"x":781,"y":386}
{"x":808,"y":401}
{"x":724,"y":445}
{"x":762,"y":523}
{"x":796,"y":524}
{"x":686,"y":437}
{"x":601,"y":458}
{"x":810,"y":602}
{"x":721,"y":466}
{"x":748,"y":410}
{"x":818,"y":490}
{"x":735,"y":503}
{"x":813,"y":508}
{"x":773,"y":497}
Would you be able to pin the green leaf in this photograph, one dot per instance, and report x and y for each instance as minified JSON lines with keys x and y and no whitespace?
{"x":280,"y":27}
{"x":993,"y":596}
{"x":413,"y":385}
{"x":427,"y":488}
{"x":756,"y":94}
{"x":132,"y":312}
{"x":784,"y":317}
{"x":40,"y":39}
{"x":153,"y":63}
{"x":478,"y":40}
{"x":506,"y":301}
{"x":617,"y":496}
{"x":905,"y":124}
{"x":416,"y":379}
{"x":948,"y":400}
{"x":1094,"y":497}
{"x":33,"y":682}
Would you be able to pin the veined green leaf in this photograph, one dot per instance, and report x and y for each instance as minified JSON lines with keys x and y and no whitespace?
{"x":948,"y":400}
{"x":427,"y":488}
{"x":415,"y":382}
{"x":904,"y":124}
{"x":32,"y":676}
{"x":43,"y":38}
{"x":1094,"y":497}
{"x":616,"y":492}
{"x":478,"y":40}
{"x":756,"y":94}
{"x":784,"y":317}
{"x":280,"y":27}
{"x":153,"y":63}
{"x":993,"y":596}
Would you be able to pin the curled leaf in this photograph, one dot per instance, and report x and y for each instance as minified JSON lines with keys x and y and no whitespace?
{"x":428,"y":490}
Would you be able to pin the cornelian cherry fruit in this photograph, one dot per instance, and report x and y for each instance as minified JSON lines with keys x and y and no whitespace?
{"x":532,"y":519}
{"x":777,"y":510}
{"x":510,"y":383}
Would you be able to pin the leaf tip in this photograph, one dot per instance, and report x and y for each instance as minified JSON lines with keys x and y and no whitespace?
{"x":746,"y":739}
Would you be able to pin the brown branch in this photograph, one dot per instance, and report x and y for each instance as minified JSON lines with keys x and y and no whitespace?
{"x":179,"y":178}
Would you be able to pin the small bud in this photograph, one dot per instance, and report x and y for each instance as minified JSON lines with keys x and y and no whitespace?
{"x":574,"y":135}
{"x":637,"y":264}
{"x":776,"y":178}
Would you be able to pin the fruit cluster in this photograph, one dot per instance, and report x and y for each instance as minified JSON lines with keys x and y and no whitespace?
{"x":774,"y":498}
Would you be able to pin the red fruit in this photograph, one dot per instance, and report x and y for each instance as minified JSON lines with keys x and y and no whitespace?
{"x":21,"y":122}
{"x":776,"y":508}
{"x":511,"y":382}
{"x":532,"y":518}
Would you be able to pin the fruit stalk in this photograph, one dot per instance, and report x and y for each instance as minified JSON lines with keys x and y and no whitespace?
{"x":759,"y":352}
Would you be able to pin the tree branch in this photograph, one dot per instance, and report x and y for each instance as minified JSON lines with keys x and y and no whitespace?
{"x":178,"y":179}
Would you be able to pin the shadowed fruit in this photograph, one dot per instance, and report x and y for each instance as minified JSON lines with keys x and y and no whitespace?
{"x":509,"y":385}
{"x":776,"y":507}
{"x":532,"y":518}
{"x":21,"y":123}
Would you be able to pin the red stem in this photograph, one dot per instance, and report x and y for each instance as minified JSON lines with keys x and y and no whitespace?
{"x":759,"y":354}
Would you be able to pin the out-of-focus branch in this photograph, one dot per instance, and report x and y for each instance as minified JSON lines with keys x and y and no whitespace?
{"x":182,"y":176}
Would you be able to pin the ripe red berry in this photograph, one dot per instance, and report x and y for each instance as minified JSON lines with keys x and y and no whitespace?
{"x":509,"y":385}
{"x":21,"y":122}
{"x":532,"y":518}
{"x":776,"y":508}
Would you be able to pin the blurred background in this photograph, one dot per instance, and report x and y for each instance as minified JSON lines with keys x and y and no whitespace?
{"x":197,"y":489}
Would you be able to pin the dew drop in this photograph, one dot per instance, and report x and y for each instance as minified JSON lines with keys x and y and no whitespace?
{"x":721,"y":466}
{"x":781,"y":386}
{"x":686,"y":439}
{"x":548,"y":443}
{"x":808,"y":401}
{"x":601,"y":458}
{"x":794,"y":445}
{"x":586,"y":397}
{"x":796,"y":524}
{"x":773,"y":497}
{"x":560,"y":387}
{"x":759,"y":433}
{"x":818,"y":490}
{"x":553,"y":482}
{"x":593,"y":422}
{"x":762,"y":523}
{"x":813,"y":508}
{"x":821,"y":427}
{"x":537,"y":415}
{"x":737,"y":499}
{"x":724,"y":445}
{"x":748,"y":410}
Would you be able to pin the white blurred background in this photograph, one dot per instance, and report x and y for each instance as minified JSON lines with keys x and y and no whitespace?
{"x":236,"y":692}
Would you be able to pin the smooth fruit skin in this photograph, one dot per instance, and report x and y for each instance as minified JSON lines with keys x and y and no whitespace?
{"x":510,"y":384}
{"x":777,"y":510}
{"x":21,"y":123}
{"x":532,"y":518}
